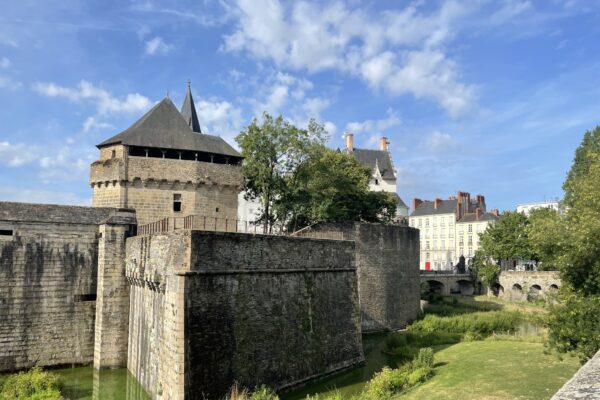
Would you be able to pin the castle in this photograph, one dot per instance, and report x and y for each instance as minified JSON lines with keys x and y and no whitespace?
{"x":190,"y":308}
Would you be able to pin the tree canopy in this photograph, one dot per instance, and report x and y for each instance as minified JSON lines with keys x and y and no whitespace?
{"x":272,"y":150}
{"x":507,"y":238}
{"x":298,"y":181}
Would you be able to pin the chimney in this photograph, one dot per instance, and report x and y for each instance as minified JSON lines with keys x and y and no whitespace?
{"x":436,"y":203}
{"x":481,"y":202}
{"x":478,"y":213}
{"x":349,"y":141}
{"x":383,"y":144}
{"x":495,"y":212}
{"x":416,"y":203}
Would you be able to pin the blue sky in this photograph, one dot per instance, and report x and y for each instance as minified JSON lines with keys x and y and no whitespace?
{"x":484,"y":96}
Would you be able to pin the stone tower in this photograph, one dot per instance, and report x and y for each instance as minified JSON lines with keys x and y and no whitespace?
{"x":163,"y":166}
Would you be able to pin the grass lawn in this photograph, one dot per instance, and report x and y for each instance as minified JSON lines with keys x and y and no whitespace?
{"x":491,"y":370}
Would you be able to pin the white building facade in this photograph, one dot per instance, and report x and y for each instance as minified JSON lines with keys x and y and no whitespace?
{"x":526,"y":208}
{"x":383,"y":177}
{"x":449,"y":229}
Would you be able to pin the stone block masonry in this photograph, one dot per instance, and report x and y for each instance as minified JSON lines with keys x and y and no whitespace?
{"x":48,"y":284}
{"x":208,"y":309}
{"x":387,"y":260}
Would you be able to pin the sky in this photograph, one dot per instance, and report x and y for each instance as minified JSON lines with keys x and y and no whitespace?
{"x":484,"y":96}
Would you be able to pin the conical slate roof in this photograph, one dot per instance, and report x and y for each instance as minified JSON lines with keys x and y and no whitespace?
{"x":188,"y":110}
{"x":164,"y":127}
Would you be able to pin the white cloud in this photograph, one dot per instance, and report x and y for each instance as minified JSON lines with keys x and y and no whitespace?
{"x":105,"y":102}
{"x":64,"y":165}
{"x":402,"y":53}
{"x":15,"y":155}
{"x":4,"y":62}
{"x":438,"y":142}
{"x":9,"y":83}
{"x":221,"y":118}
{"x":157,"y":45}
{"x":375,"y":126}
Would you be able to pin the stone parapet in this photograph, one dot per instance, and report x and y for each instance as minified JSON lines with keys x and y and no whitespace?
{"x":585,"y":384}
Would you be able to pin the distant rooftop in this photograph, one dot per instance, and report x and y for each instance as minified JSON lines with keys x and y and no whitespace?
{"x":29,"y":212}
{"x":165,"y":127}
{"x":428,"y":208}
{"x":375,"y":158}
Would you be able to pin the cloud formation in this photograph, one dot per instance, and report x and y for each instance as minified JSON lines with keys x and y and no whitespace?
{"x":156,"y":46}
{"x":402,"y":53}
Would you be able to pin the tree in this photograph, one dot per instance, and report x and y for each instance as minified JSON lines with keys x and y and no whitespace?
{"x":574,"y":324}
{"x":506,"y":238}
{"x":332,"y":186}
{"x":581,"y":163}
{"x":485,"y":269}
{"x":546,"y":235}
{"x":272,"y":150}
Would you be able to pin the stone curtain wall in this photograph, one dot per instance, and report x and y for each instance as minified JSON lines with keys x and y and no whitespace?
{"x":387,"y":258}
{"x":208,"y":309}
{"x":147,"y":185}
{"x":156,"y":315}
{"x":48,"y":269}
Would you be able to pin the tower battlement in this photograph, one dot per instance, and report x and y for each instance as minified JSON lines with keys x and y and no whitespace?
{"x":162,"y":166}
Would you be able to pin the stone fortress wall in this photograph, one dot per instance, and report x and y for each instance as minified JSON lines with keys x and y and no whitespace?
{"x":48,"y":283}
{"x":387,"y":262}
{"x":147,"y":184}
{"x":210,"y":308}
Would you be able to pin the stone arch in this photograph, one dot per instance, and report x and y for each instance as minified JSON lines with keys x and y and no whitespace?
{"x":516,"y":292}
{"x":432,"y":286}
{"x":497,"y":290}
{"x":553,"y":287}
{"x":534,"y":291}
{"x":466,"y":287}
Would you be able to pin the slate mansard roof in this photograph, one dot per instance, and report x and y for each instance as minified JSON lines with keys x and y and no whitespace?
{"x":428,"y":208}
{"x":373,"y":158}
{"x":165,"y":127}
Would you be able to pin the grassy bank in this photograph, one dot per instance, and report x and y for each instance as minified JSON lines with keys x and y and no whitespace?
{"x":495,"y":369}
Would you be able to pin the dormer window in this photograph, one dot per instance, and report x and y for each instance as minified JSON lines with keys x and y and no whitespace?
{"x":377,"y":181}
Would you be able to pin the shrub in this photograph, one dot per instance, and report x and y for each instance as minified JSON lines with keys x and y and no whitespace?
{"x":424,"y":358}
{"x":407,"y":344}
{"x":264,"y":393}
{"x":31,"y":385}
{"x":483,"y":323}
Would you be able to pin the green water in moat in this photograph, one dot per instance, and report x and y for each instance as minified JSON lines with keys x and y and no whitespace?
{"x":352,"y":381}
{"x":85,"y":383}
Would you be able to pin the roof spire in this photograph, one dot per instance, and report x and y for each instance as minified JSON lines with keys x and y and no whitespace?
{"x":188,"y":110}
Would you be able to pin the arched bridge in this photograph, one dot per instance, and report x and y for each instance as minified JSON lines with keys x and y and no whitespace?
{"x":525,"y":285}
{"x":446,"y":283}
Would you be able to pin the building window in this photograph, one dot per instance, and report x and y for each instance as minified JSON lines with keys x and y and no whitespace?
{"x":470,"y":228}
{"x":420,"y":222}
{"x":113,"y":153}
{"x":470,"y":242}
{"x":217,"y":209}
{"x":470,"y":252}
{"x":443,"y":244}
{"x":427,"y":246}
{"x":426,"y":222}
{"x":461,"y":251}
{"x":377,"y":181}
{"x":177,"y":202}
{"x":6,"y":232}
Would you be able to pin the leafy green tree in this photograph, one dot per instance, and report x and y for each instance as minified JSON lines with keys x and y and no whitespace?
{"x":332,"y":186}
{"x":485,"y":269}
{"x":581,"y":164}
{"x":546,"y":233}
{"x":272,"y":150}
{"x":574,"y":324}
{"x":506,"y":238}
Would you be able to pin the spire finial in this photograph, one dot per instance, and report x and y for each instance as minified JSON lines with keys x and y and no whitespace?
{"x":188,"y":83}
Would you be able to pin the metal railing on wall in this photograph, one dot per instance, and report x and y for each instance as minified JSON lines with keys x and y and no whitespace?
{"x":216,"y":224}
